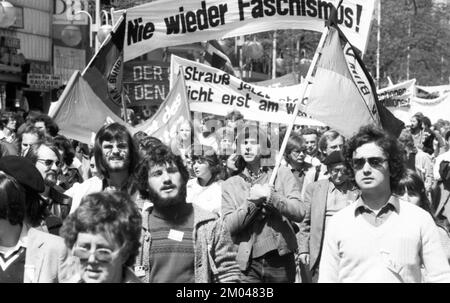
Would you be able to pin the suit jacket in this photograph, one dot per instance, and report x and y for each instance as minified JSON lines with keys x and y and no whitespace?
{"x":440,"y":197}
{"x":311,"y":234}
{"x":45,"y":257}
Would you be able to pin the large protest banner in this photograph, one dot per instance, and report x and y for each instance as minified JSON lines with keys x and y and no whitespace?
{"x":213,"y":91}
{"x":435,"y":109}
{"x":397,"y":95}
{"x":173,"y":22}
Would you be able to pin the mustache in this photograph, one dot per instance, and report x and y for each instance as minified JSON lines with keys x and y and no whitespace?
{"x":168,"y":186}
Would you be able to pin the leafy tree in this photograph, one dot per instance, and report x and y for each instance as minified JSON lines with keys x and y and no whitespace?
{"x":419,"y":27}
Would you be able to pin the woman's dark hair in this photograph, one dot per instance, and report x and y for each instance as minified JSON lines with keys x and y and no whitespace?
{"x":50,"y":125}
{"x":160,"y":155}
{"x":415,"y":186}
{"x":62,"y":143}
{"x":206,"y":153}
{"x":138,"y":136}
{"x":6,"y":117}
{"x":111,"y":132}
{"x":390,"y":146}
{"x":12,"y":199}
{"x":148,"y":144}
{"x":112,"y":214}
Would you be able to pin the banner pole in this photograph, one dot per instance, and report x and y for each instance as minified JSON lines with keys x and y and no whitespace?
{"x":124,"y":107}
{"x":297,"y":105}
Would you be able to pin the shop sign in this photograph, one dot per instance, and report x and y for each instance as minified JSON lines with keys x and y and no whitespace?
{"x":45,"y":81}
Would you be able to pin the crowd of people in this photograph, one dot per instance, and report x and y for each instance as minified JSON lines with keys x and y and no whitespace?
{"x":204,"y":208}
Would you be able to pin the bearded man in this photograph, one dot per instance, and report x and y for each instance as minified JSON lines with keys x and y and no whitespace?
{"x":116,"y":157}
{"x":181,"y":243}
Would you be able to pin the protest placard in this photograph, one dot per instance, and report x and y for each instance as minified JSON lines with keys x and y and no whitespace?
{"x":213,"y":91}
{"x":167,"y":23}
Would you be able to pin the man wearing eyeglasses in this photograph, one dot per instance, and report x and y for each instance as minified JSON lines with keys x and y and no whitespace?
{"x":116,"y":157}
{"x":324,"y":198}
{"x":329,"y":142}
{"x":45,"y":156}
{"x":381,"y":238}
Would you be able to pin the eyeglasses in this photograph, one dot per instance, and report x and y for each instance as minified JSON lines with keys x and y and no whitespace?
{"x":297,"y":152}
{"x":342,"y":170}
{"x":49,"y":163}
{"x":374,"y":162}
{"x":102,"y":254}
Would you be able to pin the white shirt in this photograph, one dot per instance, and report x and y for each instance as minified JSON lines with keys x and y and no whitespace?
{"x":207,"y":197}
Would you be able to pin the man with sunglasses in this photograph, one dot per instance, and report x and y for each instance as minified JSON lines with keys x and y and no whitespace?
{"x":381,"y":238}
{"x":324,"y":198}
{"x":45,"y":156}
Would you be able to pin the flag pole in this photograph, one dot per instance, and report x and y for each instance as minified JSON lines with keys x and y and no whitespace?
{"x":124,"y":107}
{"x":297,"y":105}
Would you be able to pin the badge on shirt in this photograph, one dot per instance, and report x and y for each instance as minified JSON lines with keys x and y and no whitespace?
{"x":175,"y":235}
{"x":139,"y":271}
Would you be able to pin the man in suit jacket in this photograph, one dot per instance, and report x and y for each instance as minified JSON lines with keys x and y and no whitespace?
{"x":440,"y":195}
{"x":26,"y":254}
{"x":324,"y":198}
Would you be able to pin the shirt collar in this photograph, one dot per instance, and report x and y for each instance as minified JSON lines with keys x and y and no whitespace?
{"x":23,"y":238}
{"x":393,"y":201}
{"x":23,"y":241}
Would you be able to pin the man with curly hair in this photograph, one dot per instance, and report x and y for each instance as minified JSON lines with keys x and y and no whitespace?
{"x":381,"y":238}
{"x":181,"y":242}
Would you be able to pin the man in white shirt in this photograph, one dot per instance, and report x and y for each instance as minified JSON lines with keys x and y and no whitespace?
{"x":381,"y":238}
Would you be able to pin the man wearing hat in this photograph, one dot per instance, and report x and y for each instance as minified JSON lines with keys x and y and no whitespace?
{"x":27,"y":175}
{"x":26,"y":253}
{"x":324,"y":198}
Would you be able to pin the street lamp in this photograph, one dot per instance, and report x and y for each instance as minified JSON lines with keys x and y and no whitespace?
{"x":7,"y":14}
{"x":101,"y":30}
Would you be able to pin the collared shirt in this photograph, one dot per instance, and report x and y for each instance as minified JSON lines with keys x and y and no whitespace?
{"x":337,"y":199}
{"x":12,"y":259}
{"x":377,"y":218}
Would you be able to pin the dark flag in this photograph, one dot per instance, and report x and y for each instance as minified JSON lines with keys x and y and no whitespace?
{"x":104,"y":72}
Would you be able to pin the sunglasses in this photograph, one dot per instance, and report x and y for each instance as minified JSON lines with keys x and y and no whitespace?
{"x":104,"y":255}
{"x":342,"y":170}
{"x":49,"y":163}
{"x":374,"y":162}
{"x":297,"y":152}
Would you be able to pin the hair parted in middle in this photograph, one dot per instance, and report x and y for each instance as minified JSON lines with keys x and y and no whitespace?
{"x":390,"y":146}
{"x":118,"y":132}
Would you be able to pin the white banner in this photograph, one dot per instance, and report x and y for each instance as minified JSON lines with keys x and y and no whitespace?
{"x":213,"y":91}
{"x":397,"y":95}
{"x":174,"y":22}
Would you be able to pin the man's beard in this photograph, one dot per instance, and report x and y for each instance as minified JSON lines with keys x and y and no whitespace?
{"x":163,"y":203}
{"x":50,"y":179}
{"x":116,"y":169}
